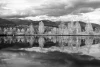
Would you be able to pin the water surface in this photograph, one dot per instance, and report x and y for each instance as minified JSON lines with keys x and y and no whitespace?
{"x":50,"y":51}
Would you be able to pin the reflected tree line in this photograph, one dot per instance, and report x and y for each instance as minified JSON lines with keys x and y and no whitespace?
{"x":45,"y":40}
{"x":84,"y":44}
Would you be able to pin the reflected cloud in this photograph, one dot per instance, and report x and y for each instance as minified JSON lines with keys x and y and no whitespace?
{"x":50,"y":59}
{"x":87,"y":45}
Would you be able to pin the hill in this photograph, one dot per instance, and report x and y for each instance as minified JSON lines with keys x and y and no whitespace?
{"x":46,"y":23}
{"x":7,"y":23}
{"x":28,"y":22}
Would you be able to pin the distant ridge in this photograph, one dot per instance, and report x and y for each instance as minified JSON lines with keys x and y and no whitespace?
{"x":4,"y":22}
{"x":46,"y":22}
{"x":28,"y":22}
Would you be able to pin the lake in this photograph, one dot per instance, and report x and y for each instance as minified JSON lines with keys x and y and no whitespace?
{"x":49,"y":51}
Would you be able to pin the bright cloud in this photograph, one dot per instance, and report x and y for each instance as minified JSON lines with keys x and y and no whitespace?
{"x":55,"y":10}
{"x":42,"y":17}
{"x":20,"y":4}
{"x":93,"y":17}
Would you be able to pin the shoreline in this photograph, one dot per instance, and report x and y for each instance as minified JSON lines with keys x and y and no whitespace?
{"x":46,"y":35}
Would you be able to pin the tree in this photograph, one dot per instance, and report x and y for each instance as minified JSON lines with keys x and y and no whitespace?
{"x":62,"y":26}
{"x":70,"y":27}
{"x":41,"y":28}
{"x":89,"y":28}
{"x":31,"y":29}
{"x":54,"y":30}
{"x":66,"y":32}
{"x":0,"y":31}
{"x":78,"y":28}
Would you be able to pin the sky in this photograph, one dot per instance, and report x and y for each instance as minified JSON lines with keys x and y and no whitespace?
{"x":62,"y":10}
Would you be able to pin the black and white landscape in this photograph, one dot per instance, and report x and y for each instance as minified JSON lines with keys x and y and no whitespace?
{"x":49,"y":33}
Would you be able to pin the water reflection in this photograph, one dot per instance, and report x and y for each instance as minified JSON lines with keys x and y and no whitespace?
{"x":50,"y":51}
{"x":41,"y":42}
{"x":72,"y":44}
{"x":59,"y":41}
{"x":69,"y":40}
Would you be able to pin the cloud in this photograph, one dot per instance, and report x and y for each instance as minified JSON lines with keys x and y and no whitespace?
{"x":50,"y":8}
{"x":36,"y":7}
{"x":41,"y":17}
{"x":93,"y":0}
{"x":89,"y":17}
{"x":65,"y":7}
{"x":92,"y":17}
{"x":53,"y":18}
{"x":83,"y":10}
